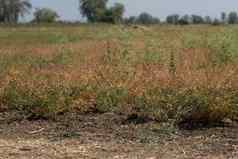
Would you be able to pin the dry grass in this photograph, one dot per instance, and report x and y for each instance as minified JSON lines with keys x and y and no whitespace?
{"x":166,"y":72}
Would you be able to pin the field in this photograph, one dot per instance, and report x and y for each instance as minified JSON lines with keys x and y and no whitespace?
{"x":179,"y":76}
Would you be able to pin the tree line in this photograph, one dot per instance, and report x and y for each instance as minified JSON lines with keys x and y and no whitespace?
{"x":98,"y":11}
{"x":230,"y":18}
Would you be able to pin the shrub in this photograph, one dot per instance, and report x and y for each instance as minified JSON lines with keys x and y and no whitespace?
{"x":222,"y":47}
{"x":203,"y":106}
{"x":193,"y":106}
{"x":38,"y":96}
{"x":110,"y":99}
{"x":45,"y":15}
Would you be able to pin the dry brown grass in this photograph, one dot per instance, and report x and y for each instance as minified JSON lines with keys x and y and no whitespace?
{"x":165,"y":72}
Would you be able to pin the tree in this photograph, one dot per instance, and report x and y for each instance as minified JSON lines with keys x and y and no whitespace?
{"x":2,"y":11}
{"x":117,"y":10}
{"x":172,"y":19}
{"x":184,"y":20}
{"x":216,"y":22}
{"x":97,"y":11}
{"x":196,"y":19}
{"x":113,"y":14}
{"x":93,"y":10}
{"x":207,"y":20}
{"x":45,"y":15}
{"x":223,"y":17}
{"x":11,"y":10}
{"x":130,"y":20}
{"x":146,"y":18}
{"x":232,"y":18}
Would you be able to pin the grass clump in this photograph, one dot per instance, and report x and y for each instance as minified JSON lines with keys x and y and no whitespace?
{"x":203,"y":106}
{"x":111,"y":99}
{"x":59,"y":38}
{"x":38,"y":97}
{"x":223,"y":48}
{"x":185,"y":106}
{"x":23,"y":60}
{"x":64,"y":57}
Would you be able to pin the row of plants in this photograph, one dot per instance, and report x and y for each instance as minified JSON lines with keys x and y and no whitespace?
{"x":46,"y":97}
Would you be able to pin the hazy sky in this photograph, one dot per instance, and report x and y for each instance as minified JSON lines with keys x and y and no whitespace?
{"x":67,"y":9}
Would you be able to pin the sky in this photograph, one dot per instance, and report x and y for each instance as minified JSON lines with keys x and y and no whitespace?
{"x":68,"y":9}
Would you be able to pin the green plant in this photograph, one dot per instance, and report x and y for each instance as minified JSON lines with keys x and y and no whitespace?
{"x":58,"y":39}
{"x":110,"y":99}
{"x":222,"y":47}
{"x":39,"y":97}
{"x":204,"y":106}
{"x":152,"y":57}
{"x":172,"y":64}
{"x":24,"y":60}
{"x":64,"y":57}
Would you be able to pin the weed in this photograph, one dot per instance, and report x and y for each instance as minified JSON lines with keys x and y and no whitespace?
{"x":64,"y":57}
{"x":111,"y":99}
{"x":187,"y":74}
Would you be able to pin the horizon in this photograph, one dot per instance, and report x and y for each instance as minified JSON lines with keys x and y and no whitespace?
{"x":159,"y":8}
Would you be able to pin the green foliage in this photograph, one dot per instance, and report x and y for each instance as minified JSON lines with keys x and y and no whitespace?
{"x":154,"y":104}
{"x":38,"y":99}
{"x":204,"y":106}
{"x":185,"y":105}
{"x":116,"y":56}
{"x":114,"y":14}
{"x":152,"y":57}
{"x":12,"y":61}
{"x":97,"y":11}
{"x":11,"y":10}
{"x":196,"y":19}
{"x":8,"y":61}
{"x":224,"y":17}
{"x":221,"y":44}
{"x":146,"y":18}
{"x":93,"y":9}
{"x":152,"y":54}
{"x":172,"y":19}
{"x":59,"y":38}
{"x":232,"y":18}
{"x":45,"y":15}
{"x":185,"y":20}
{"x":110,"y":99}
{"x":222,"y":47}
{"x":65,"y":57}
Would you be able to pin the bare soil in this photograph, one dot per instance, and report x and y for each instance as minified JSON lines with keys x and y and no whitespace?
{"x":111,"y":136}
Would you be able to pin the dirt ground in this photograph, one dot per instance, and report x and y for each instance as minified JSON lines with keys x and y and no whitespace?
{"x":110,"y":136}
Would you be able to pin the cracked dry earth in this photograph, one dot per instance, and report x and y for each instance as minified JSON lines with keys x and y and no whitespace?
{"x":109,"y":136}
